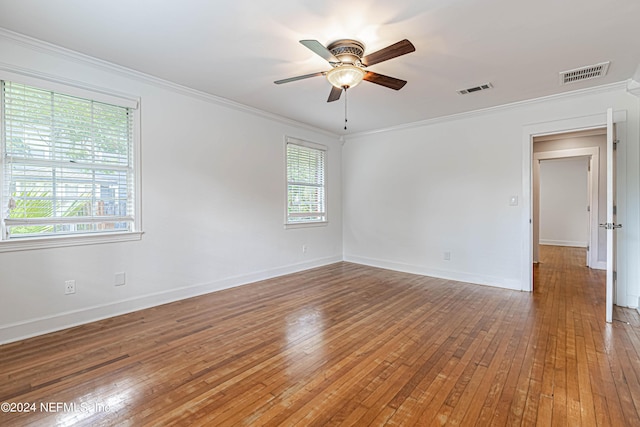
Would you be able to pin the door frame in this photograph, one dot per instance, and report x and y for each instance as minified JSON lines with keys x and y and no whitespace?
{"x":592,"y":153}
{"x":528,"y":133}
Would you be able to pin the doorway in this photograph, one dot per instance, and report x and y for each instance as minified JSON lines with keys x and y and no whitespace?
{"x":565,"y":204}
{"x":556,"y":127}
{"x":587,"y":147}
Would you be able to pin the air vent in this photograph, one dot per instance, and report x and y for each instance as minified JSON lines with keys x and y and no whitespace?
{"x":475,"y":89}
{"x":584,"y":73}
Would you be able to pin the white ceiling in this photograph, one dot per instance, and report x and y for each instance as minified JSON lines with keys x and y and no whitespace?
{"x":235,"y":49}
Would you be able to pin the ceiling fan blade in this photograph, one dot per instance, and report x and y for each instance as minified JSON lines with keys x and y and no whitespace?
{"x":335,"y":93}
{"x":318,"y":48}
{"x":397,"y":49}
{"x":306,"y":76}
{"x":386,"y":81}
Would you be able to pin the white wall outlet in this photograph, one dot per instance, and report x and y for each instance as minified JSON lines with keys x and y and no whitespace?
{"x":304,"y":249}
{"x":69,"y":287}
{"x":447,"y":255}
{"x":119,"y":279}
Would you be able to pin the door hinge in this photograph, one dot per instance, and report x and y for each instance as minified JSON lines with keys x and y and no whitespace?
{"x":588,"y":247}
{"x":615,"y":144}
{"x":588,"y":208}
{"x":615,"y":276}
{"x":615,"y":209}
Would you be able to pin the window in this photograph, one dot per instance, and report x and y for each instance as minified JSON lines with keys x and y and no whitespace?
{"x":306,"y":188}
{"x":67,"y":165}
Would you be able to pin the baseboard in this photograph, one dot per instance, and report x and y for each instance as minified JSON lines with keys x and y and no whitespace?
{"x":43,"y":325}
{"x":600,"y":265}
{"x":568,"y":243}
{"x":477,"y":279}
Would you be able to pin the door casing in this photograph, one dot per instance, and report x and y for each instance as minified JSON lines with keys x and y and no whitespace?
{"x":529,"y":132}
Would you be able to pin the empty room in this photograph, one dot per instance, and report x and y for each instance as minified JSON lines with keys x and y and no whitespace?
{"x":313,"y":213}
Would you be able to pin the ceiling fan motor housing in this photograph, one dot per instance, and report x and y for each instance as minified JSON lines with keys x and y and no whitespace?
{"x":347,"y":51}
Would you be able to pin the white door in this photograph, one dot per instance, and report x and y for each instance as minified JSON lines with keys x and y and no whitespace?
{"x":611,"y":225}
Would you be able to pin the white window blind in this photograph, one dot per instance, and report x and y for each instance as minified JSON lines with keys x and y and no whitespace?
{"x":306,"y":191}
{"x":67,"y":164}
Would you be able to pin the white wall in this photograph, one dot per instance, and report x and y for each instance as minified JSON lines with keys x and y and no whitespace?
{"x":414,"y":192}
{"x":564,"y":219}
{"x":213,"y":194}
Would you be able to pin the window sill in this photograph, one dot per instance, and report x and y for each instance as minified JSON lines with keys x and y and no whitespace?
{"x":306,"y":224}
{"x":32,"y":243}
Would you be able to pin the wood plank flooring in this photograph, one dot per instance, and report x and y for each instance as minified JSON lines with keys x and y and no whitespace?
{"x":344,"y":345}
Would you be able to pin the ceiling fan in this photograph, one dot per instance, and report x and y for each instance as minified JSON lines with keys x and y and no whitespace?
{"x":349,"y":66}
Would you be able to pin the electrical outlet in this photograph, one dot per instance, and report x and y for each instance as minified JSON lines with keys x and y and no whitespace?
{"x":119,"y":279}
{"x":447,"y":255}
{"x":69,"y":287}
{"x":304,"y":249}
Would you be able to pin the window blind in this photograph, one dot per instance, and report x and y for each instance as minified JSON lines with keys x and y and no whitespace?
{"x":305,"y":184}
{"x":67,"y":164}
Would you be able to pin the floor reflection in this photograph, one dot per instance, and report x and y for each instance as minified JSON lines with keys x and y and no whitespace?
{"x":305,"y":334}
{"x":95,"y":405}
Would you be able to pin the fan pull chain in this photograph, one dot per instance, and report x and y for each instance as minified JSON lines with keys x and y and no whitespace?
{"x":345,"y":107}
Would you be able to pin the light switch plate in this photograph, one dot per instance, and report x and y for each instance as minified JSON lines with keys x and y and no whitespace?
{"x":119,"y":279}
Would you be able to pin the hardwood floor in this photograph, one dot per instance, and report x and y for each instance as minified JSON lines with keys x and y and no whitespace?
{"x":344,"y":345}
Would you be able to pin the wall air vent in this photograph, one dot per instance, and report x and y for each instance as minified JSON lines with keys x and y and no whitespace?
{"x":475,"y":89}
{"x":584,"y":73}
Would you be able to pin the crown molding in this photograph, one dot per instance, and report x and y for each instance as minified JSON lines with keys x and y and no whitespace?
{"x":633,"y":87}
{"x":81,"y":58}
{"x":623,"y":85}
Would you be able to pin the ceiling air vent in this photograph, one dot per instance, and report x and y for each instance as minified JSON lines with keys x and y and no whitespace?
{"x":584,"y":73}
{"x":475,"y":89}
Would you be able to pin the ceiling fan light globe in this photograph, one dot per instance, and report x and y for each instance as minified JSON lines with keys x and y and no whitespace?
{"x":345,"y":76}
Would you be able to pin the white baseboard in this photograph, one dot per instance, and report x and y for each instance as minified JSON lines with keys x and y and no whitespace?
{"x":600,"y":265}
{"x":570,"y":243}
{"x":477,"y":279}
{"x":43,"y":325}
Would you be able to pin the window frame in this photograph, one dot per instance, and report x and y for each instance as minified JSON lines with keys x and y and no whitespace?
{"x":79,"y":90}
{"x":312,"y":145}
